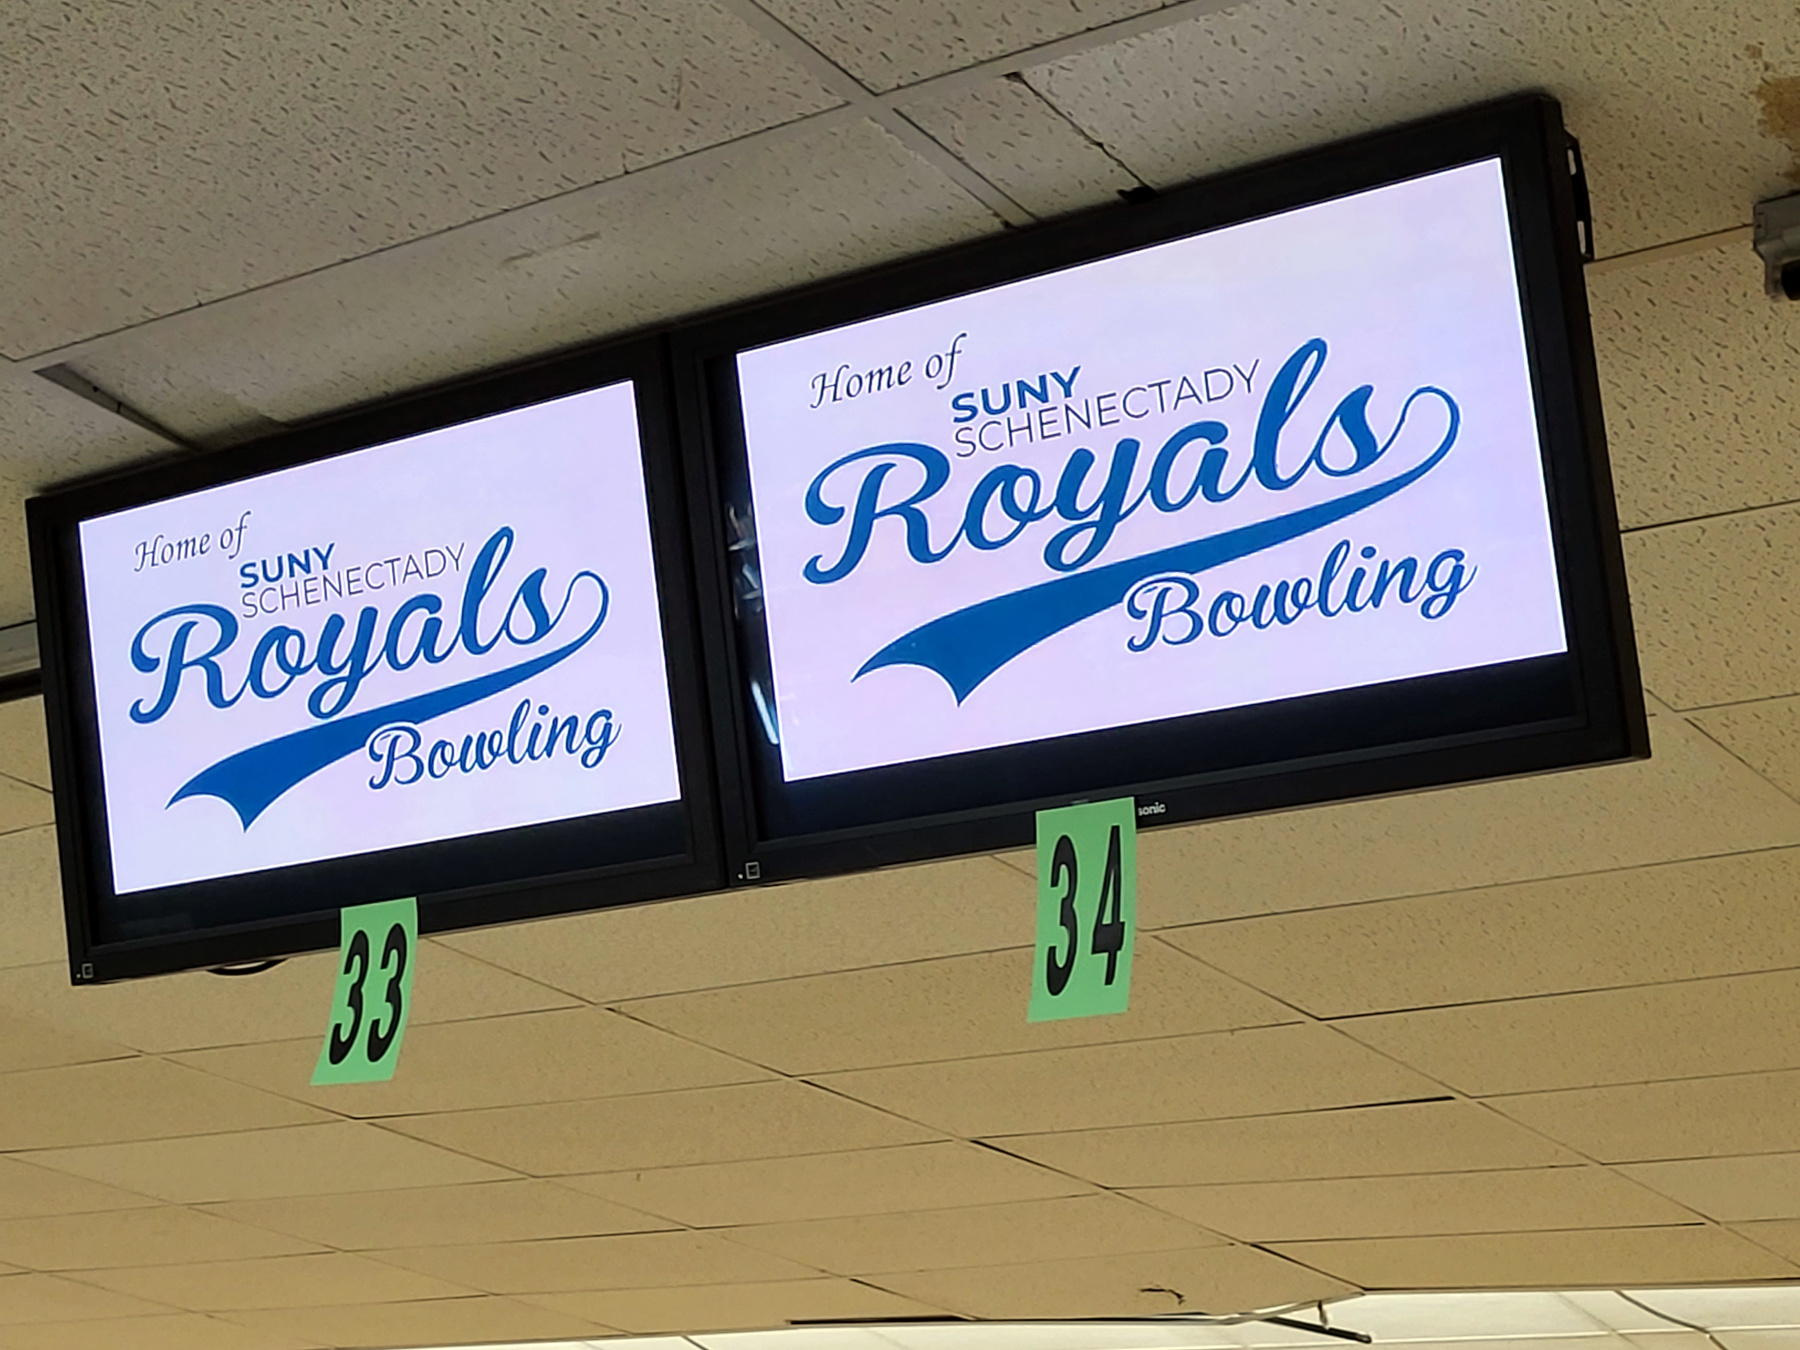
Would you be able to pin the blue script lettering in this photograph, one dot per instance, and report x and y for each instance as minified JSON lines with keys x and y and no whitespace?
{"x":395,"y":747}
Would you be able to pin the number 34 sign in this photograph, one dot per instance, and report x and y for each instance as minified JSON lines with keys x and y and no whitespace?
{"x":374,"y":993}
{"x":1087,"y":910}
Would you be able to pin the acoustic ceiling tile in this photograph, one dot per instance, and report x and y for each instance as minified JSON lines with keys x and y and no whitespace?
{"x":1781,"y":1236}
{"x":172,"y":1331}
{"x":870,"y":919}
{"x":137,"y":1237}
{"x":1014,"y":138}
{"x":757,"y":1120}
{"x":1763,"y":1186}
{"x":1214,"y":1280}
{"x":1453,"y":1203}
{"x":330,"y":134}
{"x":1765,"y":735}
{"x":1009,"y":1234}
{"x":727,"y":1307}
{"x":49,"y":435}
{"x":24,"y":751}
{"x":137,"y":1098}
{"x":496,"y":1211}
{"x":1241,"y":1073}
{"x":1667,"y":111}
{"x":1691,"y":353}
{"x":23,"y":805}
{"x":272,"y":1282}
{"x":1582,"y":1259}
{"x":479,"y":1319}
{"x":1713,"y":618}
{"x":265,"y":1164}
{"x":1735,"y":1024}
{"x":629,"y":1261}
{"x":29,"y":1192}
{"x":1691,"y":799}
{"x":31,"y":921}
{"x":1439,"y":1136}
{"x":51,"y":1298}
{"x":1453,"y":1318}
{"x":195,"y":1009}
{"x":498,"y":1061}
{"x":833,"y":195}
{"x":1687,"y":1118}
{"x":29,"y":1043}
{"x":1719,"y":916}
{"x":944,"y":1175}
{"x":951,"y":1008}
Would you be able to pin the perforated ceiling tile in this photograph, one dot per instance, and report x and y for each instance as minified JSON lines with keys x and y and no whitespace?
{"x":1719,"y":916}
{"x":31,"y":920}
{"x":273,"y":138}
{"x":1241,"y":1073}
{"x":628,"y":1261}
{"x":1457,"y":1203}
{"x":273,"y":1282}
{"x":947,"y":1009}
{"x":1690,"y":799}
{"x":831,"y":1185}
{"x":497,"y":1211}
{"x":265,"y":1164}
{"x":874,"y":919}
{"x":1766,"y":736}
{"x":1766,"y":1186}
{"x":758,"y":1120}
{"x":1663,"y":95}
{"x":24,"y":752}
{"x":720,"y":227}
{"x":497,"y":1061}
{"x":724,"y":1307}
{"x":1212,"y":1280}
{"x":478,"y":1320}
{"x":51,"y":1298}
{"x":166,"y":1235}
{"x":1693,"y":360}
{"x":1017,"y":140}
{"x":1441,"y":1136}
{"x":1589,"y":1258}
{"x":1715,"y":622}
{"x":1688,"y":1118}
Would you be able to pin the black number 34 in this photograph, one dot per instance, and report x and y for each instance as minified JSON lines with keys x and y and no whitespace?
{"x":357,"y":958}
{"x":1109,"y":925}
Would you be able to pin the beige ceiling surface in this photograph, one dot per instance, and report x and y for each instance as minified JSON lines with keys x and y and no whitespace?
{"x":1535,"y":1033}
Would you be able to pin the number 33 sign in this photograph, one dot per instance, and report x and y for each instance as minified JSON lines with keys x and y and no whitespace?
{"x":1087,"y":910}
{"x":374,"y":993}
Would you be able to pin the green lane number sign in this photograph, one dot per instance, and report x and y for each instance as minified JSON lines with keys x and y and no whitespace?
{"x":1087,"y":910}
{"x":374,"y":993}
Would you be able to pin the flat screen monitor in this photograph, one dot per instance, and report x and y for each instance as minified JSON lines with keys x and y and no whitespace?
{"x":443,"y":649}
{"x":1285,"y":487}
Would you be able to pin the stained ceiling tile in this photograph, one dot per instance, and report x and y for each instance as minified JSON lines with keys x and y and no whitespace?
{"x":1711,"y":609}
{"x":196,"y":1009}
{"x":1737,"y":1024}
{"x":1587,"y":1258}
{"x":272,"y":1282}
{"x":496,"y":1211}
{"x":831,"y":1185}
{"x":498,"y":1061}
{"x":1454,"y":1203}
{"x":173,"y":1331}
{"x":1017,"y":140}
{"x":266,"y":1164}
{"x":947,"y":1009}
{"x":1441,"y":1136}
{"x":281,"y":138}
{"x":724,"y":1307}
{"x":24,"y":751}
{"x":480,"y":1319}
{"x":51,"y":1298}
{"x":28,"y":1043}
{"x":1766,"y":736}
{"x":758,"y":1120}
{"x":629,"y":1261}
{"x":1690,"y":799}
{"x":31,"y":920}
{"x":165,"y":1235}
{"x":1666,"y":107}
{"x":1240,"y":1073}
{"x":743,"y":221}
{"x":1212,"y":1280}
{"x":871,"y":919}
{"x":1686,"y":1118}
{"x":29,"y":1192}
{"x":132,"y":1099}
{"x":1765,"y":1186}
{"x":1680,"y":921}
{"x":1009,"y":1234}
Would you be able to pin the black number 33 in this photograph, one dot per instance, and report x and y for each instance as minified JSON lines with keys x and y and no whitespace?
{"x":357,"y":958}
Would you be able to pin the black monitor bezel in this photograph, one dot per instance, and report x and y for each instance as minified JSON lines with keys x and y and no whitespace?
{"x":681,"y":861}
{"x":1608,"y":722}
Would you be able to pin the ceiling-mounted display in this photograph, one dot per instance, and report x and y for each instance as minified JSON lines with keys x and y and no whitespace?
{"x":1285,"y":487}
